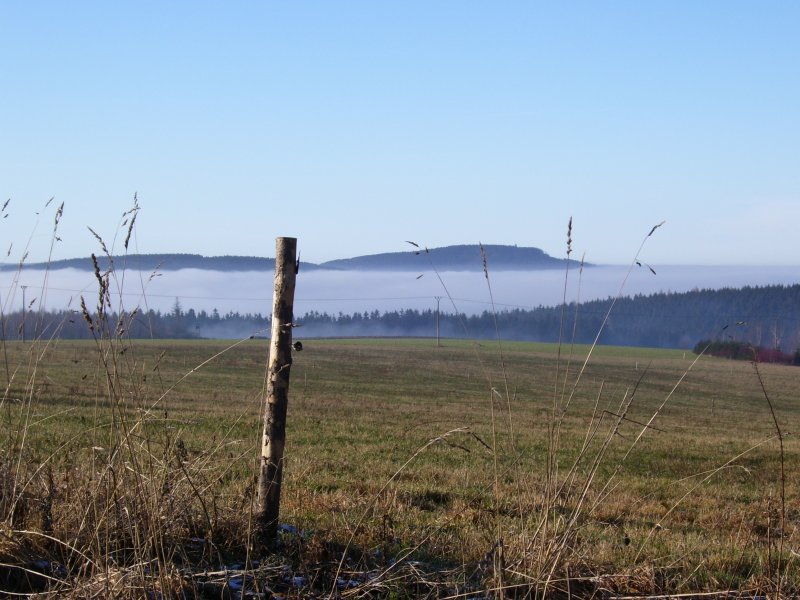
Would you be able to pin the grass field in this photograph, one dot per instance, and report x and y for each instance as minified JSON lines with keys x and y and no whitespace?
{"x":127,"y":468}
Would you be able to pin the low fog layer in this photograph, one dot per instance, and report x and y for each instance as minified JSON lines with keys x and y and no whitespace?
{"x":349,"y":292}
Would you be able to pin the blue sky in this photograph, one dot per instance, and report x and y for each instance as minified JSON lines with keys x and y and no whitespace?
{"x":354,"y":126}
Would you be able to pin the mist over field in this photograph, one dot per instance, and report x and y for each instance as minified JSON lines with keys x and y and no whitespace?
{"x":358,"y":291}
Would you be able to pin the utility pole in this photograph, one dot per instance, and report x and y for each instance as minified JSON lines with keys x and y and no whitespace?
{"x":437,"y":320}
{"x":776,"y":343}
{"x":280,"y":363}
{"x":24,"y":311}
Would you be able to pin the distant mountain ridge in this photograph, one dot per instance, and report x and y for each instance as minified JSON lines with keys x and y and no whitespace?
{"x":465,"y":257}
{"x":161,"y":262}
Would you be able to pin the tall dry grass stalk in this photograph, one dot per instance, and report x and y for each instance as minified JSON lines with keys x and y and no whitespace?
{"x":533,"y":556}
{"x":113,"y":511}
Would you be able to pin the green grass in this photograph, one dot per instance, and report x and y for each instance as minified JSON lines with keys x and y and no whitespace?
{"x":674,"y":516}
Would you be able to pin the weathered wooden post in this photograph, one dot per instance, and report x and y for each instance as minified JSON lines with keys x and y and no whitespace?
{"x":280,"y":363}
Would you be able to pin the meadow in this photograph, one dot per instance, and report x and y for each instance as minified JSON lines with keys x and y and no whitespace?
{"x":127,"y":469}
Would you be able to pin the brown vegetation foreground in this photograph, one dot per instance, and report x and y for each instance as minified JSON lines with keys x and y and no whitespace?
{"x":127,"y":470}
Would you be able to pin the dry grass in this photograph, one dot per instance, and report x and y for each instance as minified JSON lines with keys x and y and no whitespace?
{"x":127,"y":469}
{"x":392,"y":470}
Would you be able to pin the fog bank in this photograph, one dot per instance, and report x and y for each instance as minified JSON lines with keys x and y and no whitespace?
{"x":353,"y":291}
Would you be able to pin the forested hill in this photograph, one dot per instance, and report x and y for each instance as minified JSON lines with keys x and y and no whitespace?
{"x":767,"y":316}
{"x":453,"y":258}
{"x":448,"y":258}
{"x":162,"y":262}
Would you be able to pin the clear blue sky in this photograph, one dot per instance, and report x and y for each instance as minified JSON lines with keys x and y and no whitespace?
{"x":357,"y":125}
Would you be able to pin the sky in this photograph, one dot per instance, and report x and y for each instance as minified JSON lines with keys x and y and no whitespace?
{"x":355,"y":126}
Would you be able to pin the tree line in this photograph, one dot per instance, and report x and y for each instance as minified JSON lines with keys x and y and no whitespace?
{"x":149,"y":324}
{"x":766,"y":317}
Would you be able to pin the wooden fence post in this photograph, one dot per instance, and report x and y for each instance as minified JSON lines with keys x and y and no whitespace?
{"x":280,"y":362}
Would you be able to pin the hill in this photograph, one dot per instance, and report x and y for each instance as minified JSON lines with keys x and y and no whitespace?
{"x":465,"y":257}
{"x":162,"y":262}
{"x":448,"y":258}
{"x":766,"y":317}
